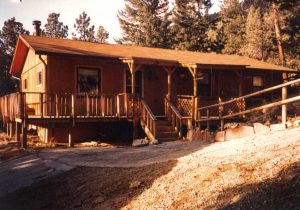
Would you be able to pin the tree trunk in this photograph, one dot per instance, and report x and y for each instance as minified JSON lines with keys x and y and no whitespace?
{"x":277,"y":34}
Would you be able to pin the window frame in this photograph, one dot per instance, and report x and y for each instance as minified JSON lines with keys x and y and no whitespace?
{"x":258,"y":88}
{"x":99,"y":85}
{"x":206,"y":86}
{"x":39,"y":78}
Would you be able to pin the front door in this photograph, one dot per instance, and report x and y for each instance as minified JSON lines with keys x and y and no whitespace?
{"x":229,"y":84}
{"x":155,"y":88}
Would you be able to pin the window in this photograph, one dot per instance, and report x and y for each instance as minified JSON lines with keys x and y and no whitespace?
{"x":39,"y":78}
{"x":88,"y":81}
{"x":203,"y":84}
{"x":138,"y":82}
{"x":257,"y":83}
{"x":25,"y":84}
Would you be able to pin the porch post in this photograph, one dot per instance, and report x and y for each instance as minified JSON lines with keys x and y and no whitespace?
{"x":170,"y":71}
{"x":193,"y":71}
{"x":284,"y":96}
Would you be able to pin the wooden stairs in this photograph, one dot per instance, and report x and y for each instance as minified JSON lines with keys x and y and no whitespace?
{"x":164,"y":130}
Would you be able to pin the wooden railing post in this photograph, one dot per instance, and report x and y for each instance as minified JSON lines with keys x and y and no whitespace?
{"x":207,"y":122}
{"x":284,"y":96}
{"x":73,"y":114}
{"x":41,"y":105}
{"x":220,"y":114}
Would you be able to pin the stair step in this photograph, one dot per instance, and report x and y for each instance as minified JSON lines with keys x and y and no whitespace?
{"x":172,"y":134}
{"x":162,"y":122}
{"x":164,"y":128}
{"x":167,"y":139}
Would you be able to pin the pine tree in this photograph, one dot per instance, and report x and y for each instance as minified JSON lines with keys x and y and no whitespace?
{"x":145,"y":23}
{"x":254,"y":35}
{"x":191,"y":24}
{"x":8,"y":40}
{"x":102,"y":35}
{"x":234,"y":20}
{"x":54,"y":28}
{"x":83,"y":28}
{"x":10,"y":33}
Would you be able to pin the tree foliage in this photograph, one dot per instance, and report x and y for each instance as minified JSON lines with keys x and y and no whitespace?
{"x":8,"y":40}
{"x":191,"y":24}
{"x":145,"y":23}
{"x":54,"y":28}
{"x":102,"y":35}
{"x":84,"y":31}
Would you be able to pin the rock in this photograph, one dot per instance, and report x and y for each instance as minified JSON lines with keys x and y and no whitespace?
{"x":239,"y":132}
{"x":220,"y":136}
{"x":261,"y":129}
{"x":154,"y":142}
{"x":135,"y":184}
{"x":207,"y":136}
{"x":140,"y":142}
{"x":99,"y":199}
{"x":289,"y":124}
{"x":194,"y":134}
{"x":296,"y":123}
{"x":277,"y":127}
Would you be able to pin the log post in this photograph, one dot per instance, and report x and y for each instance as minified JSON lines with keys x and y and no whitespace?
{"x":41,"y":105}
{"x":18,"y":132}
{"x":220,"y":114}
{"x":284,"y":96}
{"x":24,"y":135}
{"x":70,"y":136}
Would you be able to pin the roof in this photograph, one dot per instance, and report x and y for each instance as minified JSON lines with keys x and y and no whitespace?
{"x":46,"y":46}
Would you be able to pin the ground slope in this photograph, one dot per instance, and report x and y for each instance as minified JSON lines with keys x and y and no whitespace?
{"x":255,"y":172}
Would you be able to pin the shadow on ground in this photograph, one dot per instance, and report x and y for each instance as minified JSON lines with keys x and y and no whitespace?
{"x":280,"y":192}
{"x":87,"y":188}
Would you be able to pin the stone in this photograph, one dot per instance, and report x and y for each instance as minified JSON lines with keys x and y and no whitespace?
{"x":261,"y":129}
{"x":289,"y":124}
{"x":135,"y":184}
{"x":220,"y":136}
{"x":277,"y":127}
{"x":140,"y":142}
{"x":154,"y":142}
{"x":207,"y":136}
{"x":194,"y":134}
{"x":239,"y":132}
{"x":99,"y":199}
{"x":296,"y":123}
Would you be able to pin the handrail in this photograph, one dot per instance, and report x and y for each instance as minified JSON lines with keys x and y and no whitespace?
{"x":174,"y":117}
{"x":174,"y":109}
{"x":251,"y":94}
{"x":148,"y":109}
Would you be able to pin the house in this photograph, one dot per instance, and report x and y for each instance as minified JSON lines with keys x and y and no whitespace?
{"x":68,"y":87}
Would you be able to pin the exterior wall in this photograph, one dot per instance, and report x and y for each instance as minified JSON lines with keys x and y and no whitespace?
{"x":32,"y":66}
{"x":63,"y":74}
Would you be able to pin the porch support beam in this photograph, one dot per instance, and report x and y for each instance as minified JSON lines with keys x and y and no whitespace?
{"x":193,"y":70}
{"x":133,"y":68}
{"x":170,"y":71}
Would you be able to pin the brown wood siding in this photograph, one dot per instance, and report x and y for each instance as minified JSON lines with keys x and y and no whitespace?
{"x":63,"y":74}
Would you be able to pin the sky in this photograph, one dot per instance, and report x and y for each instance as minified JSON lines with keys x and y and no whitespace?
{"x":102,"y":12}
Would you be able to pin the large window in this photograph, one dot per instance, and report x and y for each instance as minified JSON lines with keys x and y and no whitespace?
{"x":257,"y":83}
{"x":203,"y":84}
{"x":88,"y":81}
{"x":138,"y":82}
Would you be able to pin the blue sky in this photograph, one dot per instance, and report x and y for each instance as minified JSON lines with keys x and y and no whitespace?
{"x":102,"y":12}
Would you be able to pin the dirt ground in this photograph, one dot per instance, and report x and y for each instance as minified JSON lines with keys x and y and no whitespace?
{"x":259,"y":172}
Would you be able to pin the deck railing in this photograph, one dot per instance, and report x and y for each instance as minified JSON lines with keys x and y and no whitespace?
{"x":173,"y":116}
{"x":239,"y":106}
{"x":66,"y":105}
{"x":148,"y":120}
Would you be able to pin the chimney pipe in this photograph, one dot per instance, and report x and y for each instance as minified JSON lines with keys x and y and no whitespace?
{"x":37,"y":28}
